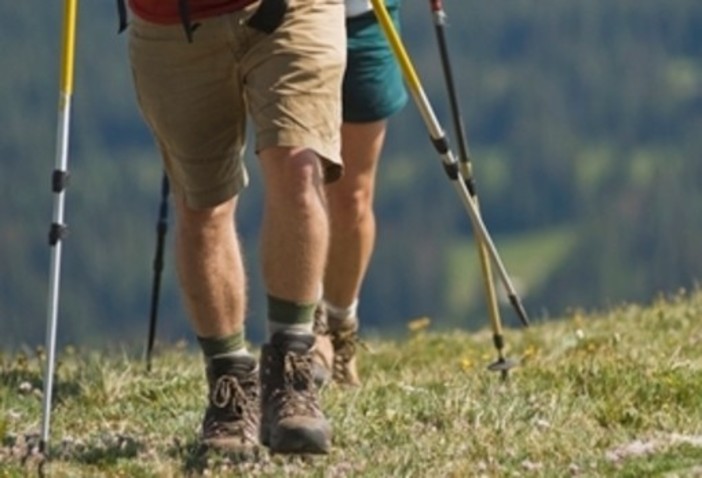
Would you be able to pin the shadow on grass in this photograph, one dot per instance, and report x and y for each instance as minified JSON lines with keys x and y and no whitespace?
{"x":196,"y":458}
{"x":25,"y":450}
{"x":106,"y":451}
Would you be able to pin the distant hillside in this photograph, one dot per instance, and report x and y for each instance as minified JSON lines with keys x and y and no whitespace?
{"x":583,"y":120}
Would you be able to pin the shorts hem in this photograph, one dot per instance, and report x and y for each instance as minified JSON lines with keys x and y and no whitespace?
{"x":377,"y":114}
{"x":213,"y":197}
{"x":328,"y":151}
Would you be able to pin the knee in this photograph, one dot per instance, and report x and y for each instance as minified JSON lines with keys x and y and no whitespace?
{"x":303,"y":171}
{"x":201,"y":221}
{"x":293,"y":176}
{"x":350,"y":207}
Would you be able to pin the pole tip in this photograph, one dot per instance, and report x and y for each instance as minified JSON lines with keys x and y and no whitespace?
{"x":502,"y":365}
{"x":519,"y":308}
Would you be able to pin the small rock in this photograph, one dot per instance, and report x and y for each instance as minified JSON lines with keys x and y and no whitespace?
{"x":25,"y":388}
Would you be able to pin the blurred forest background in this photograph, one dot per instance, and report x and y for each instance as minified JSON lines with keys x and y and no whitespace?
{"x":585,"y":125}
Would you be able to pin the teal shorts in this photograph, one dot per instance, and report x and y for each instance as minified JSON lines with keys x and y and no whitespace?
{"x":373,"y":87}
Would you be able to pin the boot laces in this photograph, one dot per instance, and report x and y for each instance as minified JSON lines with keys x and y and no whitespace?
{"x":233,"y":407}
{"x":297,"y":396}
{"x":345,"y":345}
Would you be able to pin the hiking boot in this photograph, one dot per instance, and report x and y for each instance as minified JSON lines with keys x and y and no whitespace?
{"x":335,"y":350}
{"x":344,"y":339}
{"x":323,"y":360}
{"x":291,"y":418}
{"x":231,"y":422}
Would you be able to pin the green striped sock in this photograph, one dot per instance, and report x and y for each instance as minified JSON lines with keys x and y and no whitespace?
{"x":289,"y":316}
{"x":229,"y":346}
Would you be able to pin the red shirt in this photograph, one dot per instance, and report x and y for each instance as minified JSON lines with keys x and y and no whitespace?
{"x":166,"y":11}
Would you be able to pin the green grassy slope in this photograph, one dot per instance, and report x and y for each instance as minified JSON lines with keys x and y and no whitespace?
{"x":615,"y":393}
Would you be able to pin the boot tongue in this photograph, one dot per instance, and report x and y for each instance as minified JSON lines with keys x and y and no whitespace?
{"x":296,"y":342}
{"x":237,"y":366}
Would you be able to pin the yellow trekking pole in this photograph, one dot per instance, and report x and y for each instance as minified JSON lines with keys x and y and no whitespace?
{"x":57,"y":231}
{"x":462,"y":180}
{"x":502,"y":364}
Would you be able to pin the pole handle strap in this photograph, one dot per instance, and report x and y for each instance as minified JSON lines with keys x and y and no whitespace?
{"x":436,"y":5}
{"x":269,"y":15}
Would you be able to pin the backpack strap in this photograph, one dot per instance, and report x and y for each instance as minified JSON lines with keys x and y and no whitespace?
{"x":183,"y":9}
{"x":269,"y":15}
{"x":267,"y":18}
{"x":188,"y":26}
{"x":122,"y":11}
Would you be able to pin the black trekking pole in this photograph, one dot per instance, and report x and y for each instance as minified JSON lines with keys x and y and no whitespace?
{"x":502,"y":364}
{"x":448,"y":159}
{"x":58,"y":229}
{"x":161,"y":229}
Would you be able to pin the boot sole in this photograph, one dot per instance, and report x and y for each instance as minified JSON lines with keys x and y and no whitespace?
{"x":288,"y":441}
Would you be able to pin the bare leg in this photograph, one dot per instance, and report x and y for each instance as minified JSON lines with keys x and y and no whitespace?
{"x":351,"y":212}
{"x":294,"y":242}
{"x":295,"y":228}
{"x":210,"y":268}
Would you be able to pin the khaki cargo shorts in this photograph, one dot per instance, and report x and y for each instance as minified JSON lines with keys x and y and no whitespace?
{"x":195,"y":96}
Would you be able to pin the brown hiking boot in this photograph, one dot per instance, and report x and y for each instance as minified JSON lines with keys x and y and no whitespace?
{"x":232,"y":417}
{"x":335,"y":349}
{"x":344,"y":339}
{"x":323,"y":360}
{"x":291,"y":418}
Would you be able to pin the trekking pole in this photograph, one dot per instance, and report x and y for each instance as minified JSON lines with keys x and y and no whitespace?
{"x":465,"y":166}
{"x":57,"y":231}
{"x":161,"y":229}
{"x":447,"y":157}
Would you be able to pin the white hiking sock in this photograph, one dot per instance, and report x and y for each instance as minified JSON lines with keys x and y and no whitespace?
{"x":303,"y":329}
{"x":242,"y":352}
{"x":336,"y":316}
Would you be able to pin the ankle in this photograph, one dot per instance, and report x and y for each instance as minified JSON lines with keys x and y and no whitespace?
{"x":341,"y":318}
{"x":336,"y":311}
{"x":337,"y":325}
{"x":288,"y":316}
{"x":229,"y":346}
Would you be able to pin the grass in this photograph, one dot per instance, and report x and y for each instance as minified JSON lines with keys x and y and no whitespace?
{"x":610,"y":393}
